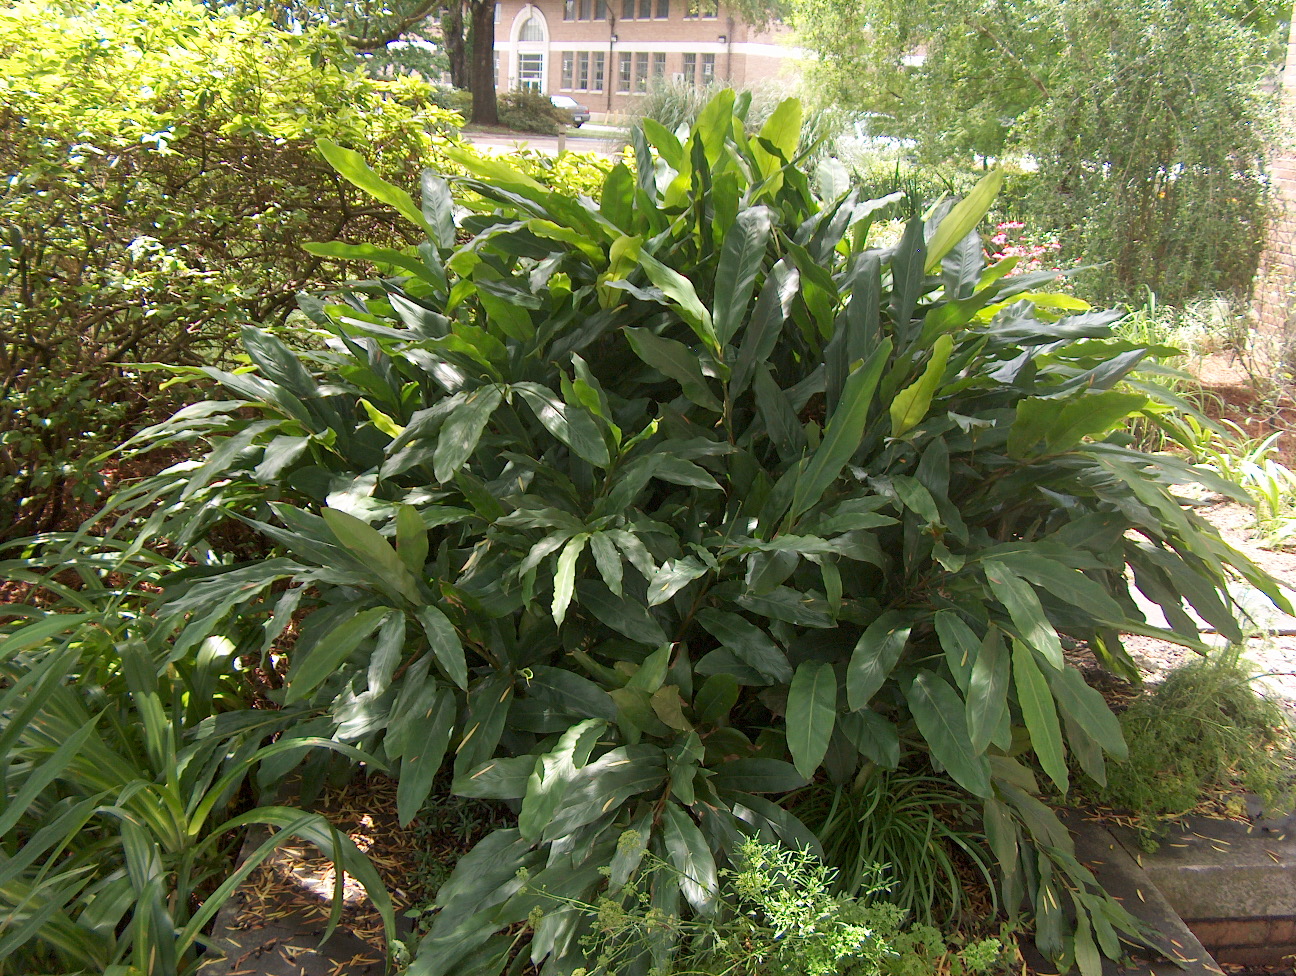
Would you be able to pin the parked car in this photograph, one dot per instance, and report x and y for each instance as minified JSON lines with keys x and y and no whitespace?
{"x":579,"y":113}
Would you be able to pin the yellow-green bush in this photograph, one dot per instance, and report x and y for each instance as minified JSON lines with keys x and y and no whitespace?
{"x":159,"y":177}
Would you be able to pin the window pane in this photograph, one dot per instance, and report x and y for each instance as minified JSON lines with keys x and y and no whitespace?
{"x":569,"y":9}
{"x":585,"y":9}
{"x":690,"y":69}
{"x":600,"y":10}
{"x":641,"y":72}
{"x":645,"y":9}
{"x":568,"y":63}
{"x":709,"y":8}
{"x":530,"y":71}
{"x":582,"y":70}
{"x":627,"y":9}
{"x":663,"y":9}
{"x":623,"y":72}
{"x":708,"y":68}
{"x":597,"y":80}
{"x":531,"y":30}
{"x":659,"y":65}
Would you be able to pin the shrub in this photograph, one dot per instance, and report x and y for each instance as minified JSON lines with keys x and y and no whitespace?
{"x":530,"y":111}
{"x":159,"y":174}
{"x":1203,"y":730}
{"x":643,"y":510}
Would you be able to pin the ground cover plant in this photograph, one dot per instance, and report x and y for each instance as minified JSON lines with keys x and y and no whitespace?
{"x":640,"y":512}
{"x":1204,"y":731}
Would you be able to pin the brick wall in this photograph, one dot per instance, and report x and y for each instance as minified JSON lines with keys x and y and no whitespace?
{"x":606,"y":53}
{"x":1275,"y":292}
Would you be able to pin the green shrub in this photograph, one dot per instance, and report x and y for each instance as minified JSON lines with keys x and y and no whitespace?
{"x":1204,"y":730}
{"x":530,"y":111}
{"x":159,"y":176}
{"x":640,"y":511}
{"x":779,"y":916}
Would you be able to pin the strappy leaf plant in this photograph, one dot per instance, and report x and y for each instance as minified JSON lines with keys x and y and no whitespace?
{"x":641,"y":511}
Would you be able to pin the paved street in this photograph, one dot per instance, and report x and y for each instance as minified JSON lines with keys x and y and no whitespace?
{"x":602,"y":140}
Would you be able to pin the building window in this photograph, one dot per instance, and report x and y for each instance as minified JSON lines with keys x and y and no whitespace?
{"x":641,"y":72}
{"x":582,"y":71}
{"x":596,"y":69}
{"x":663,"y":9}
{"x":659,"y":65}
{"x":532,"y":30}
{"x":690,"y":69}
{"x":627,"y":9}
{"x":568,"y":66}
{"x":706,"y":9}
{"x":625,"y":62}
{"x":569,"y":9}
{"x":600,"y":10}
{"x":530,"y":72}
{"x":497,"y":12}
{"x":708,"y":68}
{"x":645,"y":9}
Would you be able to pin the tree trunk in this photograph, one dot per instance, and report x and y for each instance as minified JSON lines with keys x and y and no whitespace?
{"x":485,"y":111}
{"x":452,"y":38}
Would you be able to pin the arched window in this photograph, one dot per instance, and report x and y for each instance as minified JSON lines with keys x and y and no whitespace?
{"x":532,"y":30}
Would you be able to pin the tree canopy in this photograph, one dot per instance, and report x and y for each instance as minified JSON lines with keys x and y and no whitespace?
{"x":1146,"y":118}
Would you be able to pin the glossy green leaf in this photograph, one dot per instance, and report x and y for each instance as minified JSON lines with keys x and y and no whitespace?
{"x":461,"y":432}
{"x":811,"y":715}
{"x":570,"y":424}
{"x":758,"y":776}
{"x":1039,"y":713}
{"x":963,"y":218}
{"x":741,"y":256}
{"x":675,"y":360}
{"x":672,"y":576}
{"x":428,"y":737}
{"x":875,"y":656}
{"x":553,"y":772}
{"x":1024,"y":607}
{"x":1089,"y":709}
{"x":842,"y":435}
{"x":939,"y":713}
{"x":911,"y":404}
{"x":565,"y":575}
{"x":748,"y":642}
{"x":326,"y":656}
{"x":352,"y":167}
{"x":690,"y":855}
{"x":987,"y":694}
{"x":446,"y":646}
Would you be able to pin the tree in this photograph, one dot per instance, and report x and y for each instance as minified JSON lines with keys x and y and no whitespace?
{"x":1145,"y":116}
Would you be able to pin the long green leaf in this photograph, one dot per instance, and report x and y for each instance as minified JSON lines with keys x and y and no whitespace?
{"x":842,"y":435}
{"x":1039,"y":713}
{"x":428,"y":737}
{"x":912,"y":403}
{"x":987,"y":695}
{"x":1024,"y":607}
{"x":811,"y":714}
{"x":875,"y":656}
{"x":740,"y":261}
{"x":939,"y":711}
{"x":963,"y":218}
{"x":675,"y":360}
{"x":352,"y":167}
{"x":325,"y":657}
{"x":462,"y":431}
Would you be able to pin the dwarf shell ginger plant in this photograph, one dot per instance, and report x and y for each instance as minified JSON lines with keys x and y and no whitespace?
{"x":641,"y":511}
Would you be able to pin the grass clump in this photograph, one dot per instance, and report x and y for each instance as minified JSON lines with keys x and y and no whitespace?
{"x":1203,"y":731}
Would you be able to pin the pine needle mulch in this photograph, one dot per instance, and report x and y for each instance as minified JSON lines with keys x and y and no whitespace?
{"x":297,"y":880}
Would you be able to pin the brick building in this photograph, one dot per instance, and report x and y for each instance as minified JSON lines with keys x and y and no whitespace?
{"x":607,"y":53}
